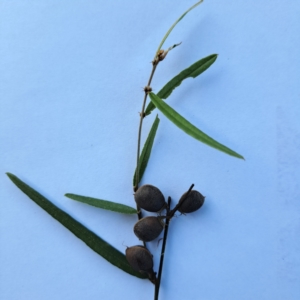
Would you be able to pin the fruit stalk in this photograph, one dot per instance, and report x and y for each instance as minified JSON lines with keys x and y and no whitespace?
{"x":162,"y":255}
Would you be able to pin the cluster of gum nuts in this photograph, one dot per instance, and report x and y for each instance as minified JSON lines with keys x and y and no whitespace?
{"x":151,"y":199}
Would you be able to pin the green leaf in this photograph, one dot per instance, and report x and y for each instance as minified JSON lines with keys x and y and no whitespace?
{"x":189,"y":128}
{"x":97,"y":244}
{"x":192,"y":71}
{"x":145,"y":155}
{"x":172,"y":27}
{"x":108,"y":205}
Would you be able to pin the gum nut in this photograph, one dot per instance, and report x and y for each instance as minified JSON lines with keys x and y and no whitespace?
{"x":148,"y":228}
{"x":150,"y":198}
{"x":193,"y":202}
{"x":140,"y":259}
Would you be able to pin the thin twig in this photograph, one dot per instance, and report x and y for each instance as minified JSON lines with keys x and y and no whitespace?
{"x":162,"y":255}
{"x":160,"y":56}
{"x":154,"y":65}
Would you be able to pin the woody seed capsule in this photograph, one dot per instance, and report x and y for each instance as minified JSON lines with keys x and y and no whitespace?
{"x":140,"y":259}
{"x":192,"y":203}
{"x":148,"y":228}
{"x":150,"y":198}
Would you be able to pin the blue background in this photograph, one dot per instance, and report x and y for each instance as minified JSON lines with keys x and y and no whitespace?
{"x":71,"y":81}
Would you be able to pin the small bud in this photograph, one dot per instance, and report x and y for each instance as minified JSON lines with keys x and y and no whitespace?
{"x":150,"y":198}
{"x":147,"y":89}
{"x":148,"y":228}
{"x":140,"y":259}
{"x":162,"y":54}
{"x":192,"y":203}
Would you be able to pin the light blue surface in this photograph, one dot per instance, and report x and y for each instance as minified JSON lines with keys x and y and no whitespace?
{"x":71,"y":83}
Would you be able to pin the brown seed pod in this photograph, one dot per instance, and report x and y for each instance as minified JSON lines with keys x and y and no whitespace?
{"x":148,"y":228}
{"x":140,"y":259}
{"x":192,"y":203}
{"x":150,"y":198}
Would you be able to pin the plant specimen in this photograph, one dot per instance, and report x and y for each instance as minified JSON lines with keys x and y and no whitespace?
{"x":137,"y":260}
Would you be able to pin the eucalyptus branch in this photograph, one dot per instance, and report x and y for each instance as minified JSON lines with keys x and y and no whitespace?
{"x":138,"y":261}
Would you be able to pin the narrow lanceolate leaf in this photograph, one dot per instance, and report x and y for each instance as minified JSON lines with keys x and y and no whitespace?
{"x":97,"y":244}
{"x":192,"y":71}
{"x":189,"y":128}
{"x":145,"y":155}
{"x":108,"y":205}
{"x":176,"y":22}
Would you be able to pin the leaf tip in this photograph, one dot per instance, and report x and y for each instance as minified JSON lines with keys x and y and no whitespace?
{"x":215,"y":56}
{"x":10,"y":175}
{"x":241,"y":157}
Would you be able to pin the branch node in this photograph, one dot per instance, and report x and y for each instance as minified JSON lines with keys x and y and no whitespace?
{"x":147,"y":89}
